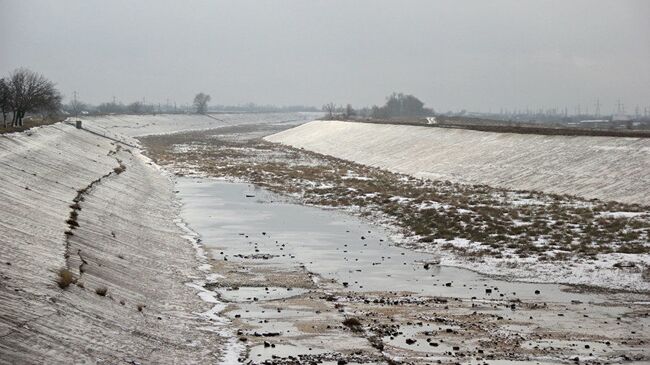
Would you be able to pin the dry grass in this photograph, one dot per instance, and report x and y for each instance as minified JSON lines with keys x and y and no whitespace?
{"x":65,"y":278}
{"x":120,"y":169}
{"x":504,"y":222}
{"x":353,"y":324}
{"x":30,"y":122}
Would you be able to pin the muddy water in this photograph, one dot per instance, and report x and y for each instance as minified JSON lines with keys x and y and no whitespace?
{"x":239,"y":221}
{"x":255,"y":237}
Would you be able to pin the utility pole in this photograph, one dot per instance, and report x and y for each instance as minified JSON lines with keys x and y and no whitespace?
{"x":597,"y":107}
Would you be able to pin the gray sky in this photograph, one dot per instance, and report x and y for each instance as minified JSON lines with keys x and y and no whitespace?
{"x":475,"y":55}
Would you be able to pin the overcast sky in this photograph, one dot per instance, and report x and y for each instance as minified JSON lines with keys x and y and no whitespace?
{"x":475,"y":55}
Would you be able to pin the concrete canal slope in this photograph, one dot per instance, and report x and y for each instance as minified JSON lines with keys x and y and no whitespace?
{"x":608,"y":168}
{"x":127,"y":301}
{"x":143,"y":125}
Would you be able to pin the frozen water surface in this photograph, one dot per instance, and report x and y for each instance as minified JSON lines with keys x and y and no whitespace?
{"x":238,"y":221}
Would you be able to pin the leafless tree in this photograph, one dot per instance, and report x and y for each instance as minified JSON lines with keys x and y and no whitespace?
{"x":75,"y":107}
{"x":31,"y":92}
{"x":5,"y":100}
{"x":201,"y":103}
{"x":135,"y":107}
{"x":349,"y":111}
{"x":111,"y":107}
{"x":330,"y":109}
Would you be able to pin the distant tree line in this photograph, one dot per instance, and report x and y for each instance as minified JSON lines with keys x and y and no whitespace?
{"x":25,"y":91}
{"x":257,"y":108}
{"x":76,"y":107}
{"x":398,"y":105}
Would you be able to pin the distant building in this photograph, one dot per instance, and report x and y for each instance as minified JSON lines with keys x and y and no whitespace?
{"x":621,"y":118}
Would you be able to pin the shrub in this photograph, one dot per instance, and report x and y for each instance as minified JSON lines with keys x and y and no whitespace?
{"x":353,"y":323}
{"x":101,"y":291}
{"x":65,"y":278}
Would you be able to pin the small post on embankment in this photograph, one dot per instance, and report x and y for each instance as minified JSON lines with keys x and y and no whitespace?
{"x":78,"y":124}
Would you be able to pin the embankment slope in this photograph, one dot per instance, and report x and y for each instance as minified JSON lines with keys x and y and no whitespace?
{"x":608,"y":168}
{"x":126,"y":242}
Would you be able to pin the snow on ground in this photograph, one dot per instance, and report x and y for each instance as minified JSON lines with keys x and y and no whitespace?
{"x":607,"y":168}
{"x":121,"y":237}
{"x":142,"y":125}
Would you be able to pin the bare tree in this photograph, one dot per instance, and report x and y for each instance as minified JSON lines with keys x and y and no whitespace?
{"x":75,"y":107}
{"x":330,"y":109}
{"x":135,"y":107}
{"x":31,"y":92}
{"x":111,"y":107}
{"x":5,"y":101}
{"x":349,"y":111}
{"x":201,"y":103}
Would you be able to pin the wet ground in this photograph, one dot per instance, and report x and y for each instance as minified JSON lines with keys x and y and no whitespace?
{"x":306,"y":285}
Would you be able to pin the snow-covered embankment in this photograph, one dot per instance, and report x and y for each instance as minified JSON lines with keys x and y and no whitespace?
{"x":121,"y":238}
{"x":607,"y":168}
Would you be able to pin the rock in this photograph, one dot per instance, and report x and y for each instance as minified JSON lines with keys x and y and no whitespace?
{"x":624,"y":264}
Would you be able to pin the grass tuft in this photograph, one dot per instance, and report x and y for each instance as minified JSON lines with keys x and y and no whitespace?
{"x":101,"y":291}
{"x":65,"y":278}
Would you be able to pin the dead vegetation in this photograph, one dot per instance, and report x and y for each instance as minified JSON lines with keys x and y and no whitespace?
{"x":64,"y":278}
{"x":120,"y":169}
{"x":353,"y":324}
{"x":470,"y":220}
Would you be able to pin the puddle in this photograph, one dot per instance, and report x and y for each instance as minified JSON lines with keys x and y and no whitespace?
{"x":588,"y":348}
{"x":425,"y":339}
{"x":254,"y":294}
{"x":509,"y":362}
{"x":243,"y":223}
{"x":264,"y":352}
